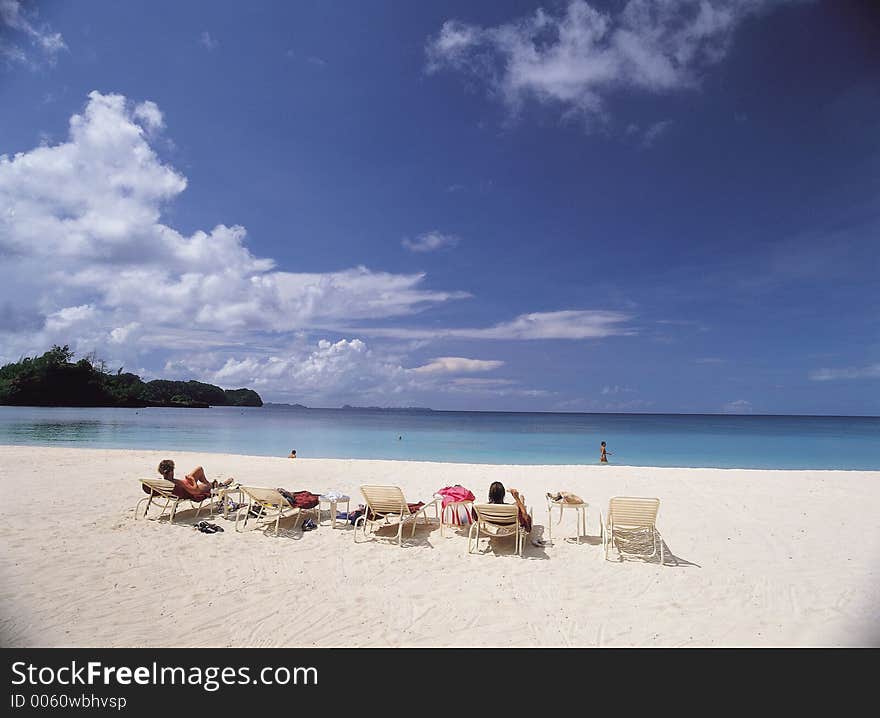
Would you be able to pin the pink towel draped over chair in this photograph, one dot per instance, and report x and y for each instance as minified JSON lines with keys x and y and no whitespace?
{"x":454,"y":494}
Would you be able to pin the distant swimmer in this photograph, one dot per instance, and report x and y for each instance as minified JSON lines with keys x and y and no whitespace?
{"x":399,"y":438}
{"x":603,"y":458}
{"x":292,"y":454}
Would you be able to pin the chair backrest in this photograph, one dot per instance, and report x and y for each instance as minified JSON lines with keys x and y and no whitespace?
{"x":265,"y":497}
{"x":498,"y":514}
{"x":159,"y":486}
{"x":385,"y":500}
{"x":633,"y":511}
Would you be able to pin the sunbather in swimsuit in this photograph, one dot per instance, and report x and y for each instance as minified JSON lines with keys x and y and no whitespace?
{"x":195,"y":483}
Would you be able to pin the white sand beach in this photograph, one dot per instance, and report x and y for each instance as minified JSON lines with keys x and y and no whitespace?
{"x":754,"y":558}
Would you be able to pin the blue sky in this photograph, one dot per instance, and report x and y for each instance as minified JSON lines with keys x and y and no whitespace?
{"x":568,"y":206}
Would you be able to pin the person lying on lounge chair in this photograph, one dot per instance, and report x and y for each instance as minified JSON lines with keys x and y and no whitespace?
{"x":195,"y":483}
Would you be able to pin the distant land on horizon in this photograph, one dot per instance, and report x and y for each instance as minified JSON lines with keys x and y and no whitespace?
{"x":347,"y":407}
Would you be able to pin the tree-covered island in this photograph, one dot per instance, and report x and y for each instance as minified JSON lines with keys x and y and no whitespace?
{"x":54,"y":379}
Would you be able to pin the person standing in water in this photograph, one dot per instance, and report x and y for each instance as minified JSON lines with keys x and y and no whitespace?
{"x":603,"y":455}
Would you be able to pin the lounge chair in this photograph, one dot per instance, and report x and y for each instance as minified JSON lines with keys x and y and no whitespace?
{"x":631,"y":521}
{"x":387,"y":506}
{"x":162,"y":490}
{"x":496,"y":521}
{"x":268,"y":505}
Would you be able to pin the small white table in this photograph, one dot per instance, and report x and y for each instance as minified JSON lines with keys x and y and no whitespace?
{"x":581,"y":510}
{"x":333,"y":502}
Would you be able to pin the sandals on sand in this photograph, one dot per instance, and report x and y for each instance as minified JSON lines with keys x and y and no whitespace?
{"x":208,"y":528}
{"x":309,"y":525}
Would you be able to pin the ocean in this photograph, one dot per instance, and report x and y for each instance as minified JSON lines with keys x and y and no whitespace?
{"x":676,"y":440}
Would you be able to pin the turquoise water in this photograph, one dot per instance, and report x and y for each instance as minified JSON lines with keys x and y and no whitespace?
{"x":722,"y":441}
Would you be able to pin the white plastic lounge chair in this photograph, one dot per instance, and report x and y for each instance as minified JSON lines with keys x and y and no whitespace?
{"x":387,"y":506}
{"x":268,"y":505}
{"x":496,"y":520}
{"x":161,"y":490}
{"x":631,"y":521}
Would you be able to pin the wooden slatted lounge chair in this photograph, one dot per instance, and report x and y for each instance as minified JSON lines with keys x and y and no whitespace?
{"x":496,"y":521}
{"x":159,"y":490}
{"x":631,"y":521}
{"x":387,"y":506}
{"x":268,"y":505}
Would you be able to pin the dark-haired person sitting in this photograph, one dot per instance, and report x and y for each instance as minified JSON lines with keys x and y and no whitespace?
{"x":194,"y":486}
{"x":496,"y":496}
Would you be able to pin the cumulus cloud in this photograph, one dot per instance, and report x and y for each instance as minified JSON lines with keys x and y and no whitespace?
{"x":457,"y":365}
{"x":80,"y":226}
{"x":18,"y":24}
{"x":89,"y":260}
{"x":149,"y":115}
{"x":313,"y":372}
{"x":871,"y":371}
{"x":579,"y":56}
{"x":430,"y":242}
{"x":335,"y":371}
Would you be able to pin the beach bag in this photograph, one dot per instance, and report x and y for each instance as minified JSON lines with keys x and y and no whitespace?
{"x":300,"y":499}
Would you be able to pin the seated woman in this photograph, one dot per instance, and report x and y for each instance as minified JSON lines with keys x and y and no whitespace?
{"x":496,"y":496}
{"x":195,"y":484}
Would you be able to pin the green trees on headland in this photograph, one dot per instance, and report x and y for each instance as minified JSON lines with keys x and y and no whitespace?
{"x":54,"y":379}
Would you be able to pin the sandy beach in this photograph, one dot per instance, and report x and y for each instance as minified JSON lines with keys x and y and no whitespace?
{"x":754,"y":558}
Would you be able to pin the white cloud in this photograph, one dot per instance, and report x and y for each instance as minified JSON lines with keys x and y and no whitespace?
{"x":88,"y":261}
{"x":80,"y":225}
{"x":739,"y":406}
{"x":578,"y":57}
{"x":872,"y":371}
{"x":208,"y":41}
{"x":563,"y":324}
{"x":457,"y":365}
{"x":317,"y":61}
{"x":149,"y":114}
{"x":15,"y":23}
{"x":654,"y":131}
{"x":594,"y":405}
{"x":608,"y":390}
{"x":430,"y":242}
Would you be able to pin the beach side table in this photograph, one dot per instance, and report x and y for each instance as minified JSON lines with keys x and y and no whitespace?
{"x":332,"y":502}
{"x":580,"y":509}
{"x":453,"y":507}
{"x":221,"y":493}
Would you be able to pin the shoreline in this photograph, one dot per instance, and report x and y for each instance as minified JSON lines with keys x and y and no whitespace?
{"x":430,"y":462}
{"x":753,"y":558}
